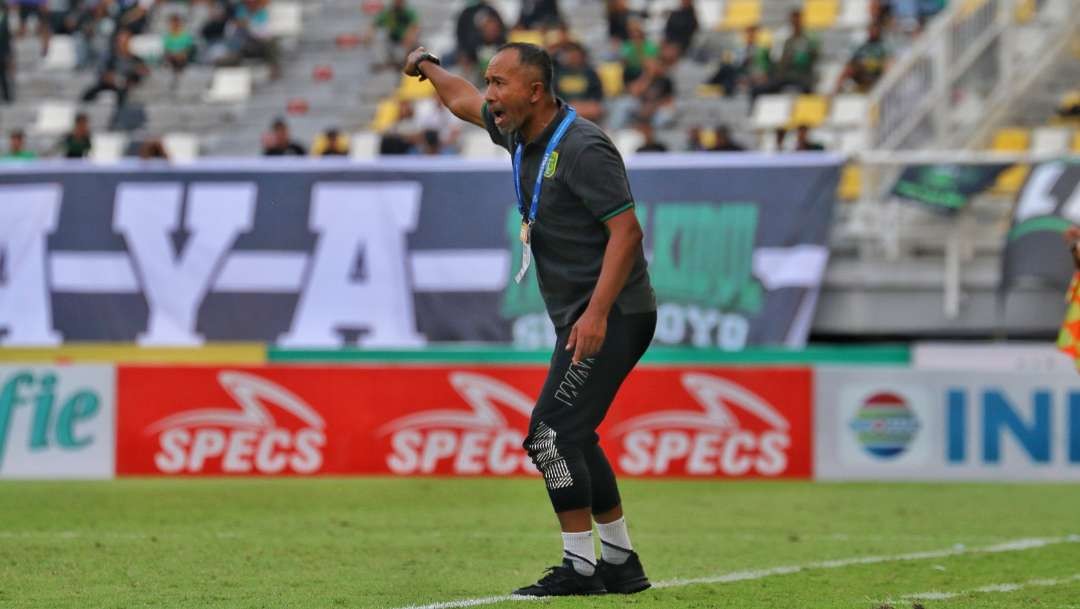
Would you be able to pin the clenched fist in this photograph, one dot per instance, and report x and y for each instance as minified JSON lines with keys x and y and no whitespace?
{"x":410,"y":62}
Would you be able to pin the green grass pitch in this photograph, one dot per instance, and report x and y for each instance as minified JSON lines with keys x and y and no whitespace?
{"x":385,"y":542}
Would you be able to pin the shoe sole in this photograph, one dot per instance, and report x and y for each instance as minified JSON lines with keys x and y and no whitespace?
{"x":631,"y":587}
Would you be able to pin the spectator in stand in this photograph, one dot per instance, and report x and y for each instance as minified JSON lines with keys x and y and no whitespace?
{"x":797,"y":64}
{"x":803,"y":143}
{"x":433,"y":115}
{"x":430,"y":143}
{"x":538,"y":14}
{"x":719,"y":140}
{"x":650,"y":97}
{"x":915,"y":12}
{"x":330,"y":143}
{"x":867,"y":64}
{"x":153,"y":149}
{"x":130,"y":15}
{"x":214,"y":29}
{"x":401,"y":27}
{"x":121,"y":72}
{"x":278,"y":142}
{"x":250,"y":37}
{"x":76,"y":144}
{"x":17,"y":147}
{"x":681,"y":26}
{"x":28,"y":9}
{"x":748,"y":67}
{"x":467,"y":30}
{"x":578,"y":83}
{"x":618,"y":17}
{"x":492,"y":37}
{"x":650,"y":143}
{"x":405,"y":136}
{"x":179,"y":46}
{"x":7,"y":56}
{"x":636,"y":52}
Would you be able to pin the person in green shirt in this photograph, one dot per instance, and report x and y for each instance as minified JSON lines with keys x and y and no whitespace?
{"x":401,"y":25}
{"x":179,"y":46}
{"x":17,"y":148}
{"x":637,"y":50}
{"x":749,"y":67}
{"x":867,"y":64}
{"x":798,"y":62}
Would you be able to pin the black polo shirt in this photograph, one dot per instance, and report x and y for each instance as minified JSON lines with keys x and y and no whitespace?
{"x":587,"y":188}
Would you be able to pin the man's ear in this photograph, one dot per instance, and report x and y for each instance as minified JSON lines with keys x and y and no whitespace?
{"x":538,"y":92}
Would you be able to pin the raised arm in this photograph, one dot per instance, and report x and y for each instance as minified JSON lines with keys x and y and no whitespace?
{"x":457,"y":94}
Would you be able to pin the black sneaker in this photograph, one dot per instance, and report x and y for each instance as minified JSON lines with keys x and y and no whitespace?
{"x":564,"y":581}
{"x":626,"y":578}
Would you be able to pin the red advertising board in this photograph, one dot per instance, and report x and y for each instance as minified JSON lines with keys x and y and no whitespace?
{"x":450,"y":420}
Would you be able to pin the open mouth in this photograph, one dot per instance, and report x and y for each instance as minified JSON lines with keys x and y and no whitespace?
{"x":499,"y":116}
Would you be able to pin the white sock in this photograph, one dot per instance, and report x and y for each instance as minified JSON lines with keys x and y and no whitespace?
{"x":579,"y":548}
{"x":615,"y":545}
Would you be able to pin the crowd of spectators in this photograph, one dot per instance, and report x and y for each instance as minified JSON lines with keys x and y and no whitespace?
{"x":228,"y":32}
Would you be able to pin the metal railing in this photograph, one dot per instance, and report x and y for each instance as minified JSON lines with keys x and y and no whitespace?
{"x":962,"y":66}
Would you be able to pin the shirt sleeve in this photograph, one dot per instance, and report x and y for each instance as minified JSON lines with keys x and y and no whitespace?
{"x":493,"y":131}
{"x":598,"y":178}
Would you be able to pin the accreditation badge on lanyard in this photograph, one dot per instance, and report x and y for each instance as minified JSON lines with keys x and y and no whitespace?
{"x":528,"y":214}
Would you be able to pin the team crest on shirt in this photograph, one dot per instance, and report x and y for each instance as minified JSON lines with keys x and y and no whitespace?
{"x":552,"y":163}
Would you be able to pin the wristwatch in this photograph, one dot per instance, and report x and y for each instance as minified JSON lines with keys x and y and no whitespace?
{"x":426,"y":57}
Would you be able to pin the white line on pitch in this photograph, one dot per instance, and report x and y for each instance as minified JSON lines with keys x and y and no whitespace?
{"x":1017,"y":545}
{"x":991,"y":589}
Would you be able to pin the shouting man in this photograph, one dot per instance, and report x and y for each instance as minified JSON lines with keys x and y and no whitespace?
{"x":577,"y":221}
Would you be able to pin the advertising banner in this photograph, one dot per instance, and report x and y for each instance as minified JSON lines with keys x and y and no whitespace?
{"x":885,"y":424}
{"x":1047,"y":204}
{"x":451,"y":420}
{"x":56,"y":421}
{"x":306,"y":254}
{"x":945,"y":188}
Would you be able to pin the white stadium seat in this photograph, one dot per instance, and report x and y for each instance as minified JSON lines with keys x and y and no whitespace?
{"x":1051,"y":139}
{"x":54,"y":118}
{"x":61,"y":54}
{"x":181,"y":147}
{"x":772,"y":111}
{"x":108,"y":147}
{"x":848,"y":110}
{"x":478,"y":145}
{"x":364,"y":145}
{"x":285,"y":18}
{"x":230,"y":85}
{"x":149,"y":47}
{"x":854,"y":14}
{"x":627,"y":141}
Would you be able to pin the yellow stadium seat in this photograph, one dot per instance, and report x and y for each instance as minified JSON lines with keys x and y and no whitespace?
{"x":529,"y":36}
{"x":1011,"y":140}
{"x":820,"y":14}
{"x":708,"y":138}
{"x":1025,"y":11}
{"x":764,"y":37}
{"x":739,"y":14}
{"x":810,"y":110}
{"x":850,"y":183}
{"x":1076,"y":142}
{"x":412,"y":89}
{"x":611,"y":77}
{"x":967,"y":7}
{"x":705,"y":90}
{"x":386,"y":114}
{"x":1011,"y":180}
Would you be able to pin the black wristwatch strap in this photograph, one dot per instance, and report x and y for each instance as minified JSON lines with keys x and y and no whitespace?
{"x":426,"y":57}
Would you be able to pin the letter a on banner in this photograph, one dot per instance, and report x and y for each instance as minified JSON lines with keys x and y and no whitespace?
{"x":27,"y":215}
{"x":175,"y":283}
{"x":360,"y":225}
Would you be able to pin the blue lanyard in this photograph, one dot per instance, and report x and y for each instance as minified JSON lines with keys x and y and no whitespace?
{"x":552,"y":143}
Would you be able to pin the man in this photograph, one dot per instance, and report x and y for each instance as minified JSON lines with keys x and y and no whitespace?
{"x":681,"y":26}
{"x":121,"y":72}
{"x":578,"y":83}
{"x":278,"y":142}
{"x":77,"y":143}
{"x":578,"y":223}
{"x":17,"y":148}
{"x":867,"y":63}
{"x":798,"y":62}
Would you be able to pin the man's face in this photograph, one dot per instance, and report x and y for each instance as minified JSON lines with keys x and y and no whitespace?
{"x":511,"y":91}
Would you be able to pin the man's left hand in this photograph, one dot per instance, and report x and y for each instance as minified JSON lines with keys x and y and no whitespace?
{"x":587,"y":336}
